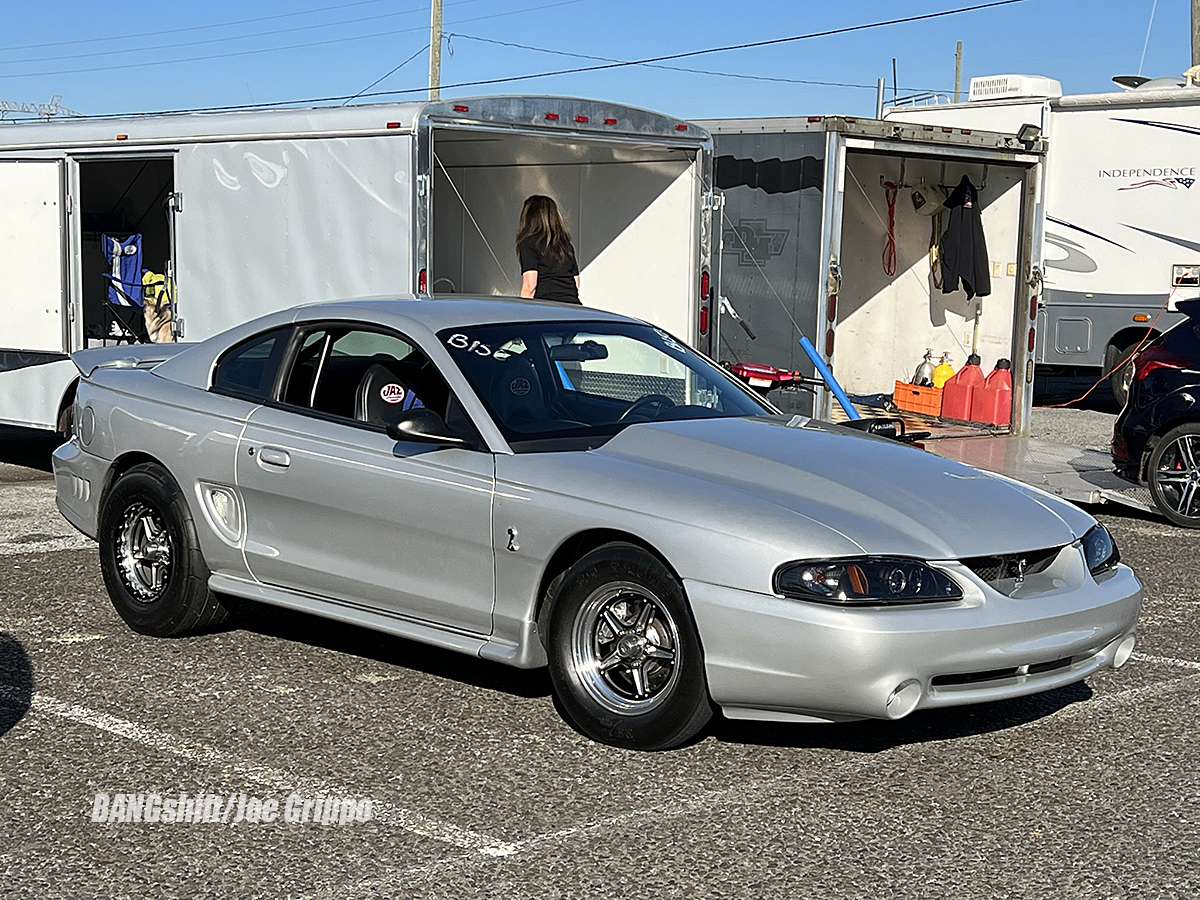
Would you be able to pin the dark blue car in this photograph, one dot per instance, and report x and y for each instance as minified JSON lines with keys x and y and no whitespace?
{"x":1156,"y":439}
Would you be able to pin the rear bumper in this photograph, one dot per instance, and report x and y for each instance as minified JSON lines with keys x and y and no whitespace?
{"x":784,"y":660}
{"x":78,"y":484}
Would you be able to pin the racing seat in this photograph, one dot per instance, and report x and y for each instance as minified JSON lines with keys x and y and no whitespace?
{"x":381,"y":395}
{"x":516,"y":394}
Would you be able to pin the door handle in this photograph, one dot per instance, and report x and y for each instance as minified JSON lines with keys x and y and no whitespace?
{"x":272,"y":456}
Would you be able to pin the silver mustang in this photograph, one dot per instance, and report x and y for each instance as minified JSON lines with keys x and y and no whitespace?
{"x":545,"y":484}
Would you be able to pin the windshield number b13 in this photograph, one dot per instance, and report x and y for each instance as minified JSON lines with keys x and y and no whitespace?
{"x":462,"y":342}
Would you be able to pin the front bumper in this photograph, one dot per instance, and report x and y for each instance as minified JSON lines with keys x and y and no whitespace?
{"x":786,"y":660}
{"x":78,"y":482}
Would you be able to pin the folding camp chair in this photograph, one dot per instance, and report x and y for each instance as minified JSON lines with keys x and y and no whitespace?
{"x":124,"y":320}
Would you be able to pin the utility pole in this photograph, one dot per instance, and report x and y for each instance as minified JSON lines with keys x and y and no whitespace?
{"x":435,"y":51}
{"x":958,"y":66}
{"x":1196,"y":32}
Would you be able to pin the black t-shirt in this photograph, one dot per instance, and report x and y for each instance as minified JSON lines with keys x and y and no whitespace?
{"x":556,"y":279}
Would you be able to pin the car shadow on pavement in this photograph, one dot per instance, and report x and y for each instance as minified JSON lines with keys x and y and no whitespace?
{"x":16,"y":682}
{"x":27,"y":448}
{"x":353,"y":640}
{"x":875,"y":736}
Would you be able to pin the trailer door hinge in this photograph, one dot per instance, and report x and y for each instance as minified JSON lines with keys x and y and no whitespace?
{"x":712,"y":200}
{"x":422,"y":185}
{"x":175,"y":201}
{"x":70,"y":205}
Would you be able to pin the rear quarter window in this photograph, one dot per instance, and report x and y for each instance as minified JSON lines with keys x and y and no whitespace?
{"x":1184,"y":339}
{"x":249,"y":369}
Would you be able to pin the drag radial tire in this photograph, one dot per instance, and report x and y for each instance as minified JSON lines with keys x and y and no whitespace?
{"x":153,"y":569}
{"x":1174,"y":475}
{"x":625,"y":659}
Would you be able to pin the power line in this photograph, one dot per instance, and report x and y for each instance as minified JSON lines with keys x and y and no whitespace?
{"x":614,"y":65}
{"x":741,"y":75}
{"x":388,"y":75}
{"x":362,"y":37}
{"x":223,"y":40}
{"x":142,"y":34}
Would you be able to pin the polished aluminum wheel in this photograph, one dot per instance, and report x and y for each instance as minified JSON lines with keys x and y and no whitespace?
{"x":1178,"y":475}
{"x":144,"y":552}
{"x":625,"y":648}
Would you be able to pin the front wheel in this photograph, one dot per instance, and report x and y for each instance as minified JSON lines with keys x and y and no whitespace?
{"x":150,"y":557}
{"x":625,"y":659}
{"x":1174,"y":475}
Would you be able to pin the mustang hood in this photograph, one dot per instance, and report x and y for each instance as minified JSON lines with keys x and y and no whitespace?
{"x":886,"y":497}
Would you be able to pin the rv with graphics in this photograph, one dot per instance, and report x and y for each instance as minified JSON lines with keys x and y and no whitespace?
{"x":233,"y":215}
{"x":1121,"y":247}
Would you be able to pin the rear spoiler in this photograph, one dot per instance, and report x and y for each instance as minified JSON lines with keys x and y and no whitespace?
{"x":126,"y":356}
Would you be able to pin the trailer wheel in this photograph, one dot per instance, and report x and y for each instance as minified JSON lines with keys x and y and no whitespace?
{"x":150,"y":557}
{"x":625,"y":658}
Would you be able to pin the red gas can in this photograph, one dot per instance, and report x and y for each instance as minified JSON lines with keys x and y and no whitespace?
{"x":992,"y":402}
{"x":958,"y":392}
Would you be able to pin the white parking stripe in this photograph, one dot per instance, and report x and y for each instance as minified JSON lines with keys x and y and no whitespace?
{"x":31,"y":523}
{"x":398,"y":883}
{"x":281,"y":781}
{"x":1165,"y":660}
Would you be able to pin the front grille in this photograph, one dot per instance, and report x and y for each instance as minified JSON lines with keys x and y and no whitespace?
{"x":1001,"y":571}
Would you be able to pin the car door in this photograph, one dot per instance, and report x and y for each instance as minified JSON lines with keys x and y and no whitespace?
{"x":336,"y":508}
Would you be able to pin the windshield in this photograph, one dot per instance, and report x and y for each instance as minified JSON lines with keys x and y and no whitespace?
{"x":569,"y":385}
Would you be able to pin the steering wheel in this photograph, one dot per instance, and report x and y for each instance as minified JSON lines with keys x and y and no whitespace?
{"x":659,"y":401}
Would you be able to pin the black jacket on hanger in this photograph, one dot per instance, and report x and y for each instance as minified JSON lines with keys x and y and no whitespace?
{"x":964,"y":251}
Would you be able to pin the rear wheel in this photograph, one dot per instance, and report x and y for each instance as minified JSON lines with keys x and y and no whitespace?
{"x":625,"y":658}
{"x":1121,"y":378}
{"x":150,"y":557}
{"x":1174,"y":475}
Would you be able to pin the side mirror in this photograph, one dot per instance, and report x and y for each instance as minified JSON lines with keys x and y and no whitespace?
{"x":424,"y":426}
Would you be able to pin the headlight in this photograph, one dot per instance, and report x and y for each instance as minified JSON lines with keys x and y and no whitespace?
{"x":865,"y":581}
{"x":1100,"y":550}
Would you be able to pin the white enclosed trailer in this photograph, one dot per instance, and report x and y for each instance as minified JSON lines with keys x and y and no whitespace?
{"x":1122,"y":201}
{"x":805,"y":224}
{"x":248,"y":212}
{"x":805,"y":232}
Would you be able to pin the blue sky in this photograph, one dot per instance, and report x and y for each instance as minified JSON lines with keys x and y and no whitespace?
{"x":150,"y":55}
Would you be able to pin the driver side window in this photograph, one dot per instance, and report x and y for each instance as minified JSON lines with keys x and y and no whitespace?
{"x":363,"y":375}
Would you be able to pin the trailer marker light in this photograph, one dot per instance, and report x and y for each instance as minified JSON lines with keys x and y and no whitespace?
{"x":610,"y":121}
{"x":582,"y":120}
{"x":1033,"y":305}
{"x":1031,"y":336}
{"x":461,"y":107}
{"x":551,"y":117}
{"x":966,"y":130}
{"x":122,"y":137}
{"x":814,"y":118}
{"x":393,"y":124}
{"x":704,"y":320}
{"x":422,"y":282}
{"x":1141,"y":317}
{"x":829,"y":344}
{"x":704,"y":281}
{"x":681,"y":127}
{"x":831,"y":308}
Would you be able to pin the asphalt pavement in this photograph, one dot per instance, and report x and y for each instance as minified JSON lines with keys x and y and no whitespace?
{"x":479,"y":789}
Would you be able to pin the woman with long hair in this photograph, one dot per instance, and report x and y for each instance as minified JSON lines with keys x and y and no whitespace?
{"x":548,"y":267}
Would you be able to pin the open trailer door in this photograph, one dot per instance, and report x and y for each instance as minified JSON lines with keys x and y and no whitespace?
{"x":633,"y":187}
{"x":32,"y":258}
